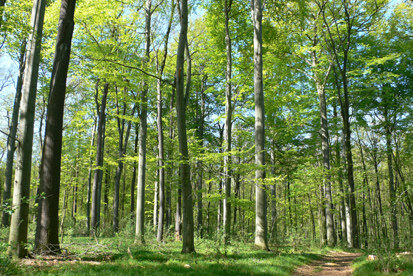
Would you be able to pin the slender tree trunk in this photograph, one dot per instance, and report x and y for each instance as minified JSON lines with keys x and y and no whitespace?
{"x":261,"y":199}
{"x":200,"y":169}
{"x":98,"y":174}
{"x":365,"y":187}
{"x":52,"y":147}
{"x":11,"y":138}
{"x":331,"y":238}
{"x":155,"y":203}
{"x":188,"y":220}
{"x":312,"y":218}
{"x":274,"y":231}
{"x":89,"y":179}
{"x":122,"y":146}
{"x":392,"y":193}
{"x":140,"y":202}
{"x":161,"y":163}
{"x":321,"y":216}
{"x":21,"y":193}
{"x":228,"y":127}
{"x":170,"y":166}
{"x":133,"y":184}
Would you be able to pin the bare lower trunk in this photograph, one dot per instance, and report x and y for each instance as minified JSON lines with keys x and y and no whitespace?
{"x":140,"y":202}
{"x":261,"y":199}
{"x":228,"y":127}
{"x":188,"y":221}
{"x":21,"y":193}
{"x":48,"y":241}
{"x":98,"y":174}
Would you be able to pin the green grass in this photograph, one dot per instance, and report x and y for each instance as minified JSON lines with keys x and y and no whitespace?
{"x":119,"y":256}
{"x":385,"y":264}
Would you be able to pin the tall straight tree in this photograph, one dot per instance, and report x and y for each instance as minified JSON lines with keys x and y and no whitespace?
{"x":228,"y":126}
{"x":161,"y":172}
{"x":11,"y":138}
{"x":185,"y":173}
{"x":21,"y":193}
{"x":48,"y":239}
{"x":261,"y":199}
{"x":100,"y":146}
{"x":140,"y":202}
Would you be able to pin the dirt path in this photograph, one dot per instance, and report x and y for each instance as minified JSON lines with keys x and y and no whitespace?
{"x":334,"y":263}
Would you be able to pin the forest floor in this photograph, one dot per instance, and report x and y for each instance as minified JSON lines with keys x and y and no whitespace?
{"x":333,"y":263}
{"x":119,"y":255}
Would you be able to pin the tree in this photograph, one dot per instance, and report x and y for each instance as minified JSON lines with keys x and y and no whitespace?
{"x":228,"y":125}
{"x":185,"y":174}
{"x":19,"y":219}
{"x":161,"y":162}
{"x":48,"y":239}
{"x":140,"y":202}
{"x":261,"y":199}
{"x":100,"y":146}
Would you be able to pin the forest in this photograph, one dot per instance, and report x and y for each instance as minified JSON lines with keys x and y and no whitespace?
{"x":206,"y":137}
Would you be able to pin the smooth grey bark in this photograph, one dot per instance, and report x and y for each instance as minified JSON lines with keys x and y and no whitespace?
{"x":261,"y":198}
{"x":98,"y":173}
{"x":181,"y":96}
{"x":48,"y":236}
{"x":21,"y":193}
{"x":228,"y":127}
{"x":140,"y":201}
{"x":11,"y":139}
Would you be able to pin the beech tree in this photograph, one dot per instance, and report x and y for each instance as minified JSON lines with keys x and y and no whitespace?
{"x":21,"y":192}
{"x":48,"y":218}
{"x":261,"y":199}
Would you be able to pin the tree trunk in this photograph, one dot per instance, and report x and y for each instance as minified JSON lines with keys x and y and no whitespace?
{"x":11,"y":138}
{"x":98,"y":174}
{"x":122,"y":146}
{"x":89,"y":179}
{"x":140,"y":202}
{"x":273,"y":187}
{"x":392,"y":193}
{"x":228,"y":127}
{"x":21,"y":193}
{"x":261,"y":199}
{"x":52,"y":147}
{"x":199,"y":164}
{"x":325,"y":148}
{"x":188,"y":221}
{"x":161,"y":170}
{"x":133,"y":183}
